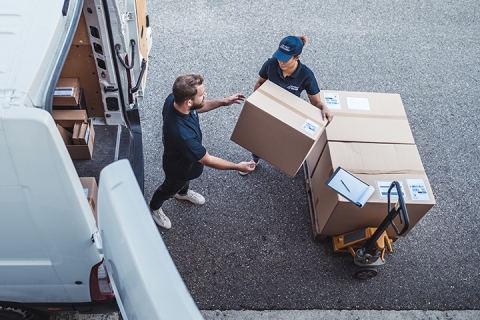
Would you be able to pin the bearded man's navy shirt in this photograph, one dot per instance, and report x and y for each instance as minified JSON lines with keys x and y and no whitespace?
{"x":182,"y":140}
{"x":301,"y":79}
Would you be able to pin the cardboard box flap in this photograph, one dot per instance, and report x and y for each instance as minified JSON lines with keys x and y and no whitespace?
{"x":295,"y":120}
{"x":291,"y":101}
{"x":371,"y":103}
{"x":369,"y":158}
{"x":352,"y":129}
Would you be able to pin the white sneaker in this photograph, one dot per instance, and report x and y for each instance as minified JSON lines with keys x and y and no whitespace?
{"x":192,"y":196}
{"x":161,"y":219}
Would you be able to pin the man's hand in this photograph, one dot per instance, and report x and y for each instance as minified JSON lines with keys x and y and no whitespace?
{"x":327,"y":114}
{"x":214,"y":104}
{"x":246,"y":166}
{"x":234,"y":99}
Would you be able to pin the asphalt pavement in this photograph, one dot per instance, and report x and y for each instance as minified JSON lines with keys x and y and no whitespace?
{"x":249,"y":253}
{"x":250,"y":247}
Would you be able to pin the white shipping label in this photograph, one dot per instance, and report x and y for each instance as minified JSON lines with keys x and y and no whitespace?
{"x":358,"y":103}
{"x":310,"y":127}
{"x":86,"y":192}
{"x":332,"y":100}
{"x":87,"y":134}
{"x":383,"y":187}
{"x":64,"y":92}
{"x":418,"y":190}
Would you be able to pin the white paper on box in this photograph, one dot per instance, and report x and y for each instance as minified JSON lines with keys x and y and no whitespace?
{"x":418,"y":190}
{"x":350,"y":187}
{"x":86,"y":192}
{"x":64,"y":92}
{"x":310,"y":127}
{"x":358,"y":103}
{"x":87,"y":134}
{"x":383,"y":187}
{"x":332,"y":100}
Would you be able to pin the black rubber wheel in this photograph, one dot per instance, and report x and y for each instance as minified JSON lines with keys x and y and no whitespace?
{"x":15,"y":313}
{"x":366,"y":273}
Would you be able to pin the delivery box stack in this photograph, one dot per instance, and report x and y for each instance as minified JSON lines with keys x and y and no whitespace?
{"x":77,"y":132}
{"x":369,"y":137}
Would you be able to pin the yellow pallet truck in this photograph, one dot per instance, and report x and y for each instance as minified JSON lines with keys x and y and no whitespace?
{"x":368,"y":246}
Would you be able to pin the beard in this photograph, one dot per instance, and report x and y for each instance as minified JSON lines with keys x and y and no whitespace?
{"x":198,"y":106}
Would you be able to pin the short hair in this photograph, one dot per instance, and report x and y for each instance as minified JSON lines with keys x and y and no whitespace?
{"x":185,"y":87}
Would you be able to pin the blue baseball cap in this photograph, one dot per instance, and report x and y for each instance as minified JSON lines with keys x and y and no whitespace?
{"x":289,"y":47}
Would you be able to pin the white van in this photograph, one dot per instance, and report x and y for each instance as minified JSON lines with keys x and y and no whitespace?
{"x":53,"y":257}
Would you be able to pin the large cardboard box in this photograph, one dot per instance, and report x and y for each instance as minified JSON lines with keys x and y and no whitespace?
{"x":363,"y":117}
{"x":377,"y":165}
{"x":79,"y":151}
{"x":90,"y":188}
{"x":279,"y":127}
{"x":67,"y":92}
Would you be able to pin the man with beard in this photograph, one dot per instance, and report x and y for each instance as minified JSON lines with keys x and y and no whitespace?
{"x":184,"y":155}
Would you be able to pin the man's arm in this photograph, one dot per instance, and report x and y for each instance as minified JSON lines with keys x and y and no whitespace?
{"x":221,"y":164}
{"x":317,"y":102}
{"x":214,"y":104}
{"x":259,"y":82}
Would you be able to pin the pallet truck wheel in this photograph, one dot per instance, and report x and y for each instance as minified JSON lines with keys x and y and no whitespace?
{"x":366,"y":273}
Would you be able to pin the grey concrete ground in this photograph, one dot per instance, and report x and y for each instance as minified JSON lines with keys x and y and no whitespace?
{"x":250,"y":246}
{"x":309,"y":315}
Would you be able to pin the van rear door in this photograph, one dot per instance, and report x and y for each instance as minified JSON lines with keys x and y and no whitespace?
{"x":146,"y":282}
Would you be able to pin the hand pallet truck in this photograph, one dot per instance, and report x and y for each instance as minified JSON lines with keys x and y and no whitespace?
{"x":368,"y":246}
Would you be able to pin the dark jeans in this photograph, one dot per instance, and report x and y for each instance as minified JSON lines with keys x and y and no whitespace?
{"x":168,"y":189}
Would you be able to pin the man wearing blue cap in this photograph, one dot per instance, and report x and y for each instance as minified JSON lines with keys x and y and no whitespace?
{"x":285,"y":70}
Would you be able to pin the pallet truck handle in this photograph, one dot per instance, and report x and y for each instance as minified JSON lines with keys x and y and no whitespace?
{"x":369,"y":246}
{"x":400,"y":208}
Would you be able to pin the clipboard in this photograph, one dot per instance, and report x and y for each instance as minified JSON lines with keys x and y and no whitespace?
{"x":350,"y":187}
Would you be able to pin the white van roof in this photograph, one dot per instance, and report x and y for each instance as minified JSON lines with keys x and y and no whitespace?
{"x":32,"y":43}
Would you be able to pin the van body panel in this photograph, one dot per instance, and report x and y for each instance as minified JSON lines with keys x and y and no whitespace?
{"x":144,"y":277}
{"x":29,"y":61}
{"x":46,"y":219}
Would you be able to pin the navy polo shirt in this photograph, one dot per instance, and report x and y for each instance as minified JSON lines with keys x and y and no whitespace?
{"x":182,"y":140}
{"x":301,"y":79}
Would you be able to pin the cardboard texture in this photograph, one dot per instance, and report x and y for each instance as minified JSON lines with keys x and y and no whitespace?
{"x":82,"y":135}
{"x":66,"y":135}
{"x":279,"y":127}
{"x":375,"y":164}
{"x":90,"y":188}
{"x":67,"y":92}
{"x":385,"y":121}
{"x":76,"y":132}
{"x":67,"y":118}
{"x":79,"y":151}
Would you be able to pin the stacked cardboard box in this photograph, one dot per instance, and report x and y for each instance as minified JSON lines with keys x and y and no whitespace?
{"x":68,"y":95}
{"x":77,"y":132}
{"x":371,"y":138}
{"x":279,"y":127}
{"x":90,"y":188}
{"x":67,"y":92}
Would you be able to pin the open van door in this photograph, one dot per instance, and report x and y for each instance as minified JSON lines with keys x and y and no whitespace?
{"x":146,"y":282}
